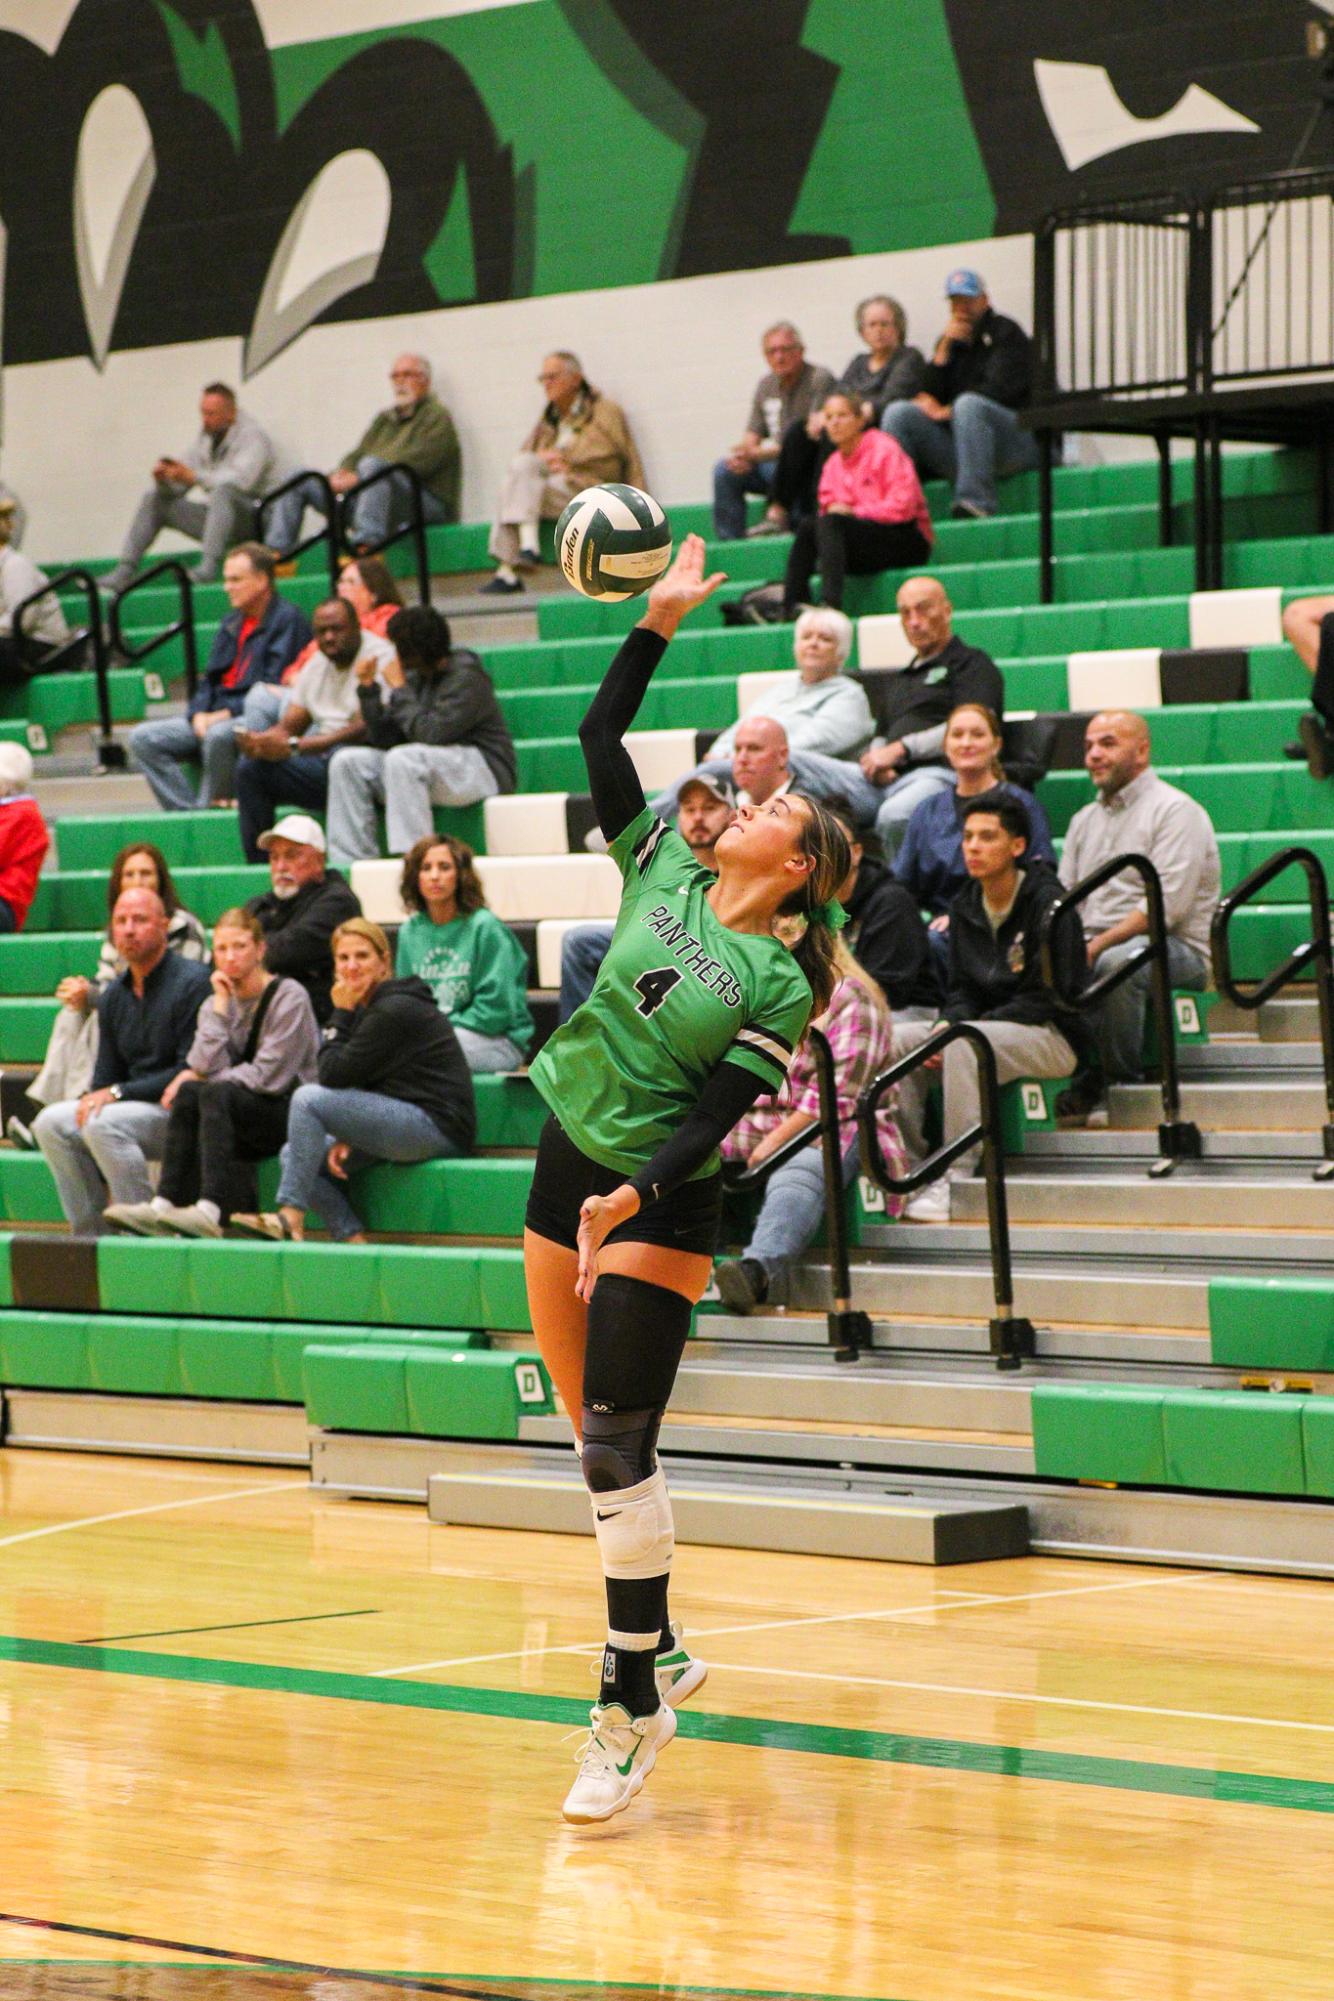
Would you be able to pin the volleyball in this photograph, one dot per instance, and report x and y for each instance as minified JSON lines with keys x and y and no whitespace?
{"x":613,"y":541}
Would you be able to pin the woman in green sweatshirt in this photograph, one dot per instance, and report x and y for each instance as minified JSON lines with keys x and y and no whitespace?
{"x":473,"y":964}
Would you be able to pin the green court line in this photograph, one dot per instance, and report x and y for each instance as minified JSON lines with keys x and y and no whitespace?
{"x":948,"y":1754}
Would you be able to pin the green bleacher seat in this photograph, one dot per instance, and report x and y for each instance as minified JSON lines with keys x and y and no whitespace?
{"x":1272,"y":1323}
{"x":1099,"y":1431}
{"x":1215,"y":1441}
{"x":422,"y":1392}
{"x":188,"y":840}
{"x":1234,"y":1441}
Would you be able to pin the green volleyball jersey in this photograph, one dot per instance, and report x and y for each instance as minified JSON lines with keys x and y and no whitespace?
{"x":676,"y":995}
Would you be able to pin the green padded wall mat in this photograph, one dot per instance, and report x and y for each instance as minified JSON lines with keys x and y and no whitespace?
{"x":1272,"y":1323}
{"x":1234,"y":1441}
{"x":1096,"y":1432}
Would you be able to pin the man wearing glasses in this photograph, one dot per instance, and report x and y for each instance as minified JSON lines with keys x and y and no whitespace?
{"x":786,"y":395}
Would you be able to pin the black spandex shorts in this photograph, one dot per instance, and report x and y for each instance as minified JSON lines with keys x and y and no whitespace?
{"x":685,"y":1220}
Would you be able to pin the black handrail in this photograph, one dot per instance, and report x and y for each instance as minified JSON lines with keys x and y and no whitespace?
{"x":184,"y":624}
{"x":415,"y":525}
{"x":328,"y":533}
{"x":1178,"y":1138}
{"x":849,"y":1330}
{"x":1315,"y":952}
{"x":1012,"y":1337}
{"x":109,"y":752}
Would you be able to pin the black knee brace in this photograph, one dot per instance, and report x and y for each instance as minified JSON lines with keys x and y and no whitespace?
{"x":636,"y":1335}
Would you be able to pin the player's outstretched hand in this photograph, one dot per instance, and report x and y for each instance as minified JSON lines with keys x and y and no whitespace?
{"x":682,"y":587}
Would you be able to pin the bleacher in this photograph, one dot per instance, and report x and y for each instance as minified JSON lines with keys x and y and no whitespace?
{"x":407,"y":1368}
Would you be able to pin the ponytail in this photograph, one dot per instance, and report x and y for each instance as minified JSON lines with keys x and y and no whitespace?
{"x":824,"y":842}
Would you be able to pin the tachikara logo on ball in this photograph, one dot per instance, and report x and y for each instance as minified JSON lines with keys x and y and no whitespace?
{"x":613,"y":542}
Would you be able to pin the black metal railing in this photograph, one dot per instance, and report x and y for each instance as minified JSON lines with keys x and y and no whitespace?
{"x":1178,"y":1138}
{"x":1012,"y":1337}
{"x":849,"y":1330}
{"x":414,"y":526}
{"x":327,"y":532}
{"x":90,"y":638}
{"x":1314,"y":954}
{"x":183,"y":623}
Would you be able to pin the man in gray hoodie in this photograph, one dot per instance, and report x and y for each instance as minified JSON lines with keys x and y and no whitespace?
{"x":229,"y":464}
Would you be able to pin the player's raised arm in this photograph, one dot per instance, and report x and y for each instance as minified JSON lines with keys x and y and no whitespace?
{"x":618,"y":796}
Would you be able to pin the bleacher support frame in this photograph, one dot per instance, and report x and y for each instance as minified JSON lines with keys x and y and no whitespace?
{"x":1316,"y":953}
{"x":184,"y":624}
{"x":415,"y":526}
{"x":110,"y":753}
{"x":329,"y":534}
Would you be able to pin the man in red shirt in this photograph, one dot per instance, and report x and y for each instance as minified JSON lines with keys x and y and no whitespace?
{"x":24,"y":839}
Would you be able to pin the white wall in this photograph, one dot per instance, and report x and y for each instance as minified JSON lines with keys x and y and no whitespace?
{"x":682,"y":357}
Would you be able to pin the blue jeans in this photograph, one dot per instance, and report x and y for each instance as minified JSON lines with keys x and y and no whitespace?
{"x":488,"y":1052}
{"x":263,"y":785}
{"x":729,"y":496}
{"x":374,"y":515}
{"x":982,"y":442}
{"x":165,"y":750}
{"x":886,"y":807}
{"x":791,"y":1213}
{"x":104,"y":1161}
{"x":582,"y":951}
{"x":376,"y":1127}
{"x":1122,"y":1016}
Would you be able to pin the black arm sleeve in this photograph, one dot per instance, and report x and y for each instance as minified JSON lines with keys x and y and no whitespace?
{"x":729,"y":1093}
{"x":618,"y":796}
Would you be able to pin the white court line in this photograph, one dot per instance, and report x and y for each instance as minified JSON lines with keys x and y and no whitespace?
{"x":818,"y":1619}
{"x":1015,"y":1695}
{"x":156,"y":1508}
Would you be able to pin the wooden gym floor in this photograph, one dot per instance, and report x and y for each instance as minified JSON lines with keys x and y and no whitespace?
{"x":257,"y":1743}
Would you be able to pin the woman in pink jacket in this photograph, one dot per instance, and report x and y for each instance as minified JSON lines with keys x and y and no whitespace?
{"x":872,"y":510}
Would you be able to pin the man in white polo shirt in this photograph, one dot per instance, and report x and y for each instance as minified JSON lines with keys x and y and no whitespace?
{"x":288,"y":763}
{"x":1136,"y":812}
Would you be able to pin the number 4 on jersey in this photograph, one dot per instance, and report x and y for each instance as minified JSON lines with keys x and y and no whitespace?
{"x":653,"y":988}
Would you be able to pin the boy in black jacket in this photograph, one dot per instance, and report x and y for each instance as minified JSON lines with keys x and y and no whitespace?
{"x":995,"y":981}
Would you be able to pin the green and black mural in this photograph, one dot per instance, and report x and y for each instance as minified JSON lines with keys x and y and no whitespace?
{"x":167,"y":176}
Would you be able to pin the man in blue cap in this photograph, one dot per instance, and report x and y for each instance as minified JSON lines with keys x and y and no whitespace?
{"x":962,"y":425}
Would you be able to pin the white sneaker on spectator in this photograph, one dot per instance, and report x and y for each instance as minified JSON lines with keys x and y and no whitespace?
{"x":930,"y":1204}
{"x":137,"y":1219}
{"x":190,"y":1221}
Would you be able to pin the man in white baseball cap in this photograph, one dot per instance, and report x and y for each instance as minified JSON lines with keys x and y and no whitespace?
{"x":304,"y":907}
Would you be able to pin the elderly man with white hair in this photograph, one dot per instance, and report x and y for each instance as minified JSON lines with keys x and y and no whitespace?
{"x":24,"y":839}
{"x":824,"y":711}
{"x":415,"y":431}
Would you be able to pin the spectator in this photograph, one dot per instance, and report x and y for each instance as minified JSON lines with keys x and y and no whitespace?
{"x":893,"y":777}
{"x":930,"y":861}
{"x":1135,"y":812}
{"x":706,"y":805}
{"x":789,"y":394}
{"x":20,"y":524}
{"x":256,"y":1039}
{"x":885,"y":932}
{"x":581,"y":439}
{"x":415,"y":431}
{"x":473,"y":964}
{"x":260,"y":636}
{"x":44,"y":627}
{"x":288,"y":763}
{"x":857,"y":1024}
{"x":887,"y":372}
{"x":961,"y":426}
{"x":434,"y":736}
{"x":71,"y":1050}
{"x":98,"y":1146}
{"x":1308,"y":625}
{"x":306,"y":903}
{"x":393,"y":1085}
{"x":824,"y":710}
{"x":872,"y":513}
{"x":995,"y":982}
{"x":24,"y":839}
{"x":371,"y":589}
{"x":230,"y":463}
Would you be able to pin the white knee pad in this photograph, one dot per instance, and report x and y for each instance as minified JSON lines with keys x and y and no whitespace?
{"x":634,"y":1528}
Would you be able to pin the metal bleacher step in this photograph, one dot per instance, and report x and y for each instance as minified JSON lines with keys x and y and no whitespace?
{"x":962,"y":1336}
{"x":800,"y":1512}
{"x":1090,"y":1242}
{"x":1289,"y":1103}
{"x":936,"y":1286}
{"x":1286,"y":1203}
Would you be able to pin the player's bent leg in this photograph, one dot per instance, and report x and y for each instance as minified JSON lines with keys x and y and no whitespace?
{"x":559,"y":1317}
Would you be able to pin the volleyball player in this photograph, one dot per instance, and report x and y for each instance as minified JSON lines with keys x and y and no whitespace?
{"x":695,"y":1013}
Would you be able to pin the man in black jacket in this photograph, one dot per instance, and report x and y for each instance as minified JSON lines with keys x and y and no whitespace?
{"x":305,"y":906}
{"x":98,"y":1146}
{"x":436,"y":738}
{"x":885,"y":931}
{"x":962,"y":426}
{"x":995,"y":982}
{"x":912,"y":704}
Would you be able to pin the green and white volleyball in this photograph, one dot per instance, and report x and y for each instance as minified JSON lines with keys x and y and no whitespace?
{"x":613,"y":542}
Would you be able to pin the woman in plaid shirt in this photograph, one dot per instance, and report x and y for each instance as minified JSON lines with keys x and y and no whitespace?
{"x":857,"y":1024}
